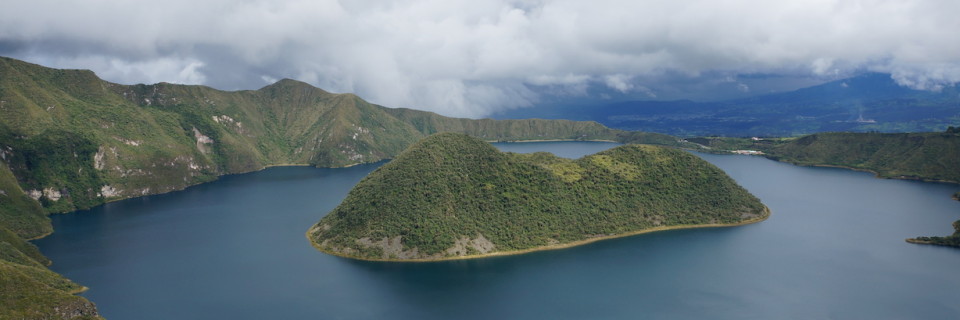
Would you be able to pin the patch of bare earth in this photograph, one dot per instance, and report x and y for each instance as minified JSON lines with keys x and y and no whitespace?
{"x":393,"y":248}
{"x":462,"y":246}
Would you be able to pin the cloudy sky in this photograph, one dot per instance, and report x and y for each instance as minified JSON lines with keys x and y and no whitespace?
{"x":473,"y":58}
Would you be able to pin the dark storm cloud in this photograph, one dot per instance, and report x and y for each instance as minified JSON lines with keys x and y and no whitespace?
{"x":471,"y":58}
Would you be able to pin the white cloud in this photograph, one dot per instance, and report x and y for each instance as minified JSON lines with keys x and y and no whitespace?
{"x":619,"y":82}
{"x":471,"y":58}
{"x":268,"y":79}
{"x":161,"y":69}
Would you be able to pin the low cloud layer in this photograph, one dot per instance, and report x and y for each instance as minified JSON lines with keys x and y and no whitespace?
{"x":472,"y":58}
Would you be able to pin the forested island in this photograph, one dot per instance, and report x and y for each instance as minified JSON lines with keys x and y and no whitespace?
{"x":454,"y":196}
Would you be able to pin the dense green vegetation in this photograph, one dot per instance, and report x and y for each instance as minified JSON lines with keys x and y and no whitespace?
{"x":949,"y":241}
{"x":28,"y":290}
{"x":923,"y":156}
{"x":454,"y":195}
{"x":929,"y":156}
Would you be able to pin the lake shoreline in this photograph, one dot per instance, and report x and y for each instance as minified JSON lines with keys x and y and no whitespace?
{"x":875,"y":173}
{"x":549,"y":140}
{"x":766,"y":214}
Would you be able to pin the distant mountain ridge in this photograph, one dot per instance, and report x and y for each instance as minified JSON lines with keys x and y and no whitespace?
{"x":868,"y":102}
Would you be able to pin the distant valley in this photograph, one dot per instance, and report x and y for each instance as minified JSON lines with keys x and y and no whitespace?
{"x":866,"y":103}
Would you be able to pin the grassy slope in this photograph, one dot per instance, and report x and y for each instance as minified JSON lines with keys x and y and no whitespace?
{"x":452,"y":187}
{"x":21,"y":214}
{"x":924,"y":156}
{"x":93,"y":141}
{"x":28,"y":290}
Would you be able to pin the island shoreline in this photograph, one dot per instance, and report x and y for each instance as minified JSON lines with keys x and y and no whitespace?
{"x":766,"y":211}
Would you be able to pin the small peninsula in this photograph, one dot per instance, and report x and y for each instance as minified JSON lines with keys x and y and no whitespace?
{"x":452,"y":196}
{"x":948,"y":241}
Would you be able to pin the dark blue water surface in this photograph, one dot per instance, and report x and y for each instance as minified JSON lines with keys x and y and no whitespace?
{"x":235,"y":249}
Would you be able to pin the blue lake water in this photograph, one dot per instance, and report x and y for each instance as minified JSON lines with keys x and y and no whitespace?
{"x":235,"y":248}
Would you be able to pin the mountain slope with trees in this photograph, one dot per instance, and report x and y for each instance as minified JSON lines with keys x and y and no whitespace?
{"x":454,"y":196}
{"x":931,"y":156}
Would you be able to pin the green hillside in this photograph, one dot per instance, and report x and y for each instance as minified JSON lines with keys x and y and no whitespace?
{"x":28,"y":290}
{"x":924,"y":156}
{"x":74,"y":141}
{"x":451,"y":195}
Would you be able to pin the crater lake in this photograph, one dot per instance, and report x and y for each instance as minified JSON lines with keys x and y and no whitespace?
{"x":235,"y":248}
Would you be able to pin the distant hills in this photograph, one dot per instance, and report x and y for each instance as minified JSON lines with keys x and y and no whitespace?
{"x":929,"y":156}
{"x":869,"y":102}
{"x":454,"y":196}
